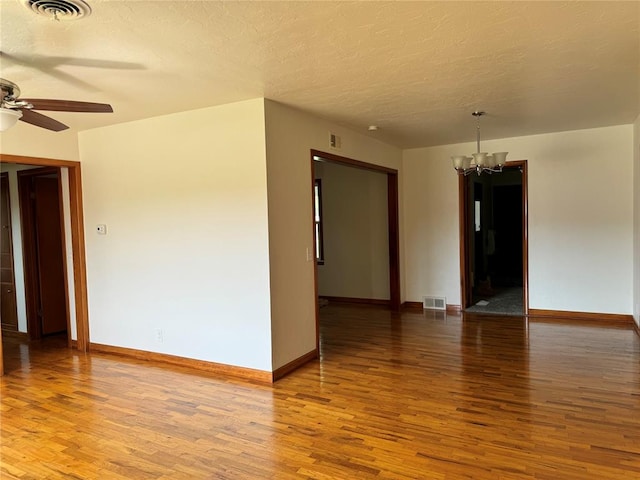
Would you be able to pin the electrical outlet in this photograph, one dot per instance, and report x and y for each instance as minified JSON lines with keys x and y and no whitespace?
{"x":159,"y":335}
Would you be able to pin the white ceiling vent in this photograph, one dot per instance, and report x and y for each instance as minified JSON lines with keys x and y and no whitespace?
{"x":59,"y":9}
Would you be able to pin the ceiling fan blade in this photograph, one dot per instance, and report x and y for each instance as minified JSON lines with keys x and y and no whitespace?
{"x":39,"y":120}
{"x":68,"y":105}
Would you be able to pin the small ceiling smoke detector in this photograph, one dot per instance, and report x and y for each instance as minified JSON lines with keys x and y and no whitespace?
{"x":59,"y":9}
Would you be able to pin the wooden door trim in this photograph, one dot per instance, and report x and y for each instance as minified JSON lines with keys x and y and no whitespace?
{"x":393,"y":225}
{"x":316,"y":299}
{"x":463,"y":215}
{"x":525,"y":233}
{"x":351,"y":162}
{"x":463,"y":198}
{"x":77,"y":237}
{"x":394,"y":240}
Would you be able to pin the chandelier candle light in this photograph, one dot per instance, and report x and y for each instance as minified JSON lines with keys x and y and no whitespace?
{"x":481,"y":161}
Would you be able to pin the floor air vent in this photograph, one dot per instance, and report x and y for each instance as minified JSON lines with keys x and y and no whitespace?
{"x":434,"y":303}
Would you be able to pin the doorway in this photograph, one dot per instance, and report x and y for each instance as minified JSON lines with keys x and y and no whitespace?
{"x":41,"y":211}
{"x":493,"y":246}
{"x":392,"y":223}
{"x":76,"y":227}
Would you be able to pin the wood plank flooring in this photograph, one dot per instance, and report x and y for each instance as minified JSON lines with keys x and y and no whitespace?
{"x":416,"y":396}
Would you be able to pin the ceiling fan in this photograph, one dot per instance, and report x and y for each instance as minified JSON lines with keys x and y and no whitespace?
{"x":13,"y":108}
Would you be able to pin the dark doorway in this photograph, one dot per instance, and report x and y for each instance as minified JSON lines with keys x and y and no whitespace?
{"x":43,"y":246}
{"x":506,"y":270}
{"x":493,"y":241}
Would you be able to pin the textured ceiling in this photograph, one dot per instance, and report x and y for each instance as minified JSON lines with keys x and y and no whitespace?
{"x":415,"y":69}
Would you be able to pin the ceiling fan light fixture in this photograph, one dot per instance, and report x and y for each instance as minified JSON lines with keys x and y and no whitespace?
{"x":59,"y":9}
{"x":8,"y":118}
{"x":15,"y":108}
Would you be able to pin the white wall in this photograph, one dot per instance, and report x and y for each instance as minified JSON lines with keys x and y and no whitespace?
{"x":290,"y":136}
{"x":580,"y":219}
{"x":31,"y":141}
{"x":184,"y":199}
{"x":356,"y":232}
{"x":430,"y":201}
{"x":636,"y":220}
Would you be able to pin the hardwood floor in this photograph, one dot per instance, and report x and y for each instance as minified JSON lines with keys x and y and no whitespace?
{"x":416,"y":396}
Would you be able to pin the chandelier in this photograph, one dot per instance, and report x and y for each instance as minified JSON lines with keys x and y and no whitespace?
{"x":481,"y":161}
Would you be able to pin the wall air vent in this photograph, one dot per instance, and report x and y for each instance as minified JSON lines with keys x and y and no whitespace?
{"x":335,"y":141}
{"x":434,"y":303}
{"x":59,"y":9}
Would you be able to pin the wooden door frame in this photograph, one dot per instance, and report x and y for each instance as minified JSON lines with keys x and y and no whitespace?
{"x":77,"y":237}
{"x":463,"y":200}
{"x":393,"y":221}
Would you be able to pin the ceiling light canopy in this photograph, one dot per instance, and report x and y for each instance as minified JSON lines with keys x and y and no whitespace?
{"x":481,"y":161}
